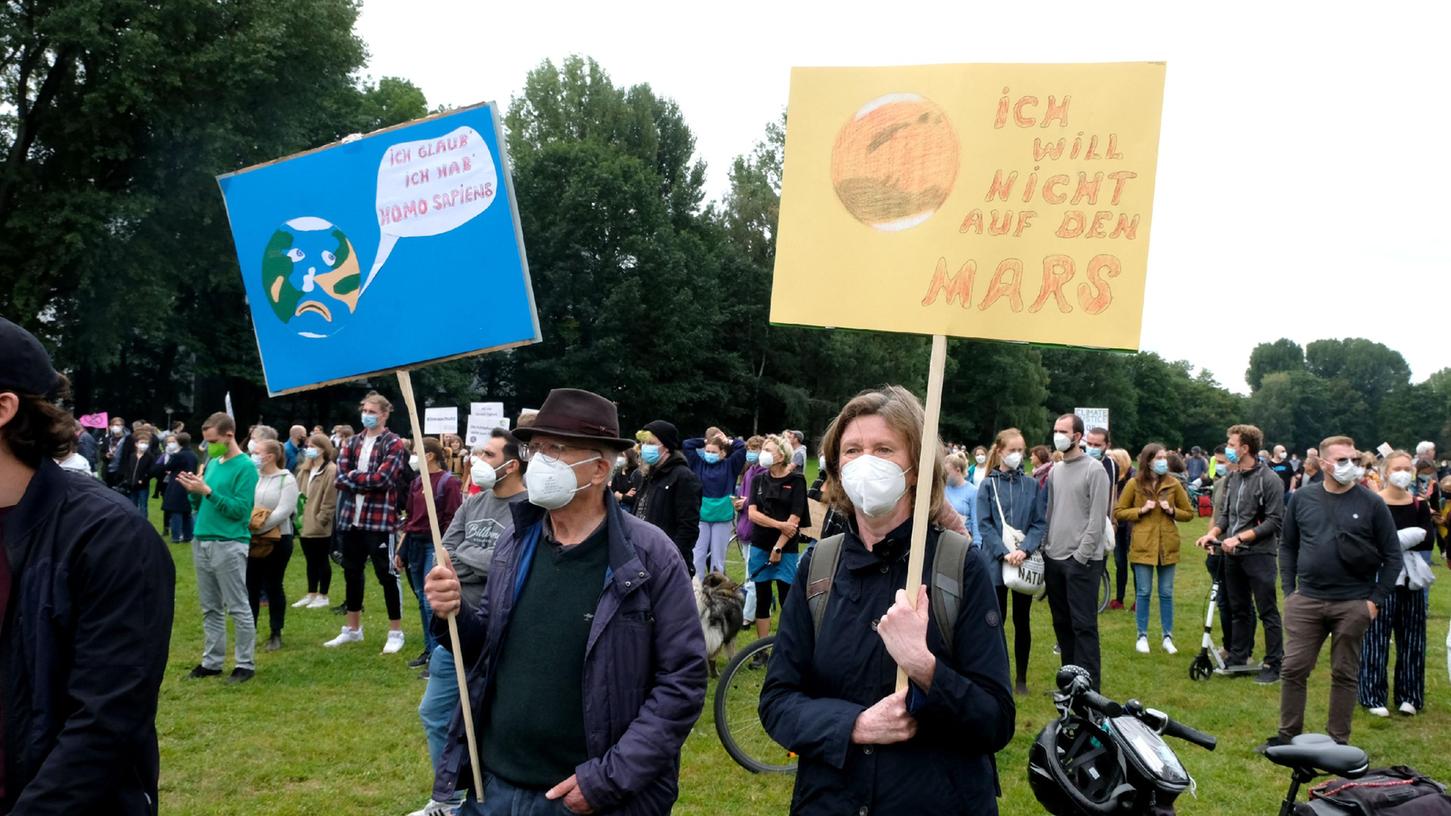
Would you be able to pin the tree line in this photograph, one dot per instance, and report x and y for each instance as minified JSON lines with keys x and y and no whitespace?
{"x":114,"y":248}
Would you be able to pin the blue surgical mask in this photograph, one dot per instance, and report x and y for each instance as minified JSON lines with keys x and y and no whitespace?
{"x":1161,"y":466}
{"x":370,"y":421}
{"x":1096,"y":453}
{"x":710,"y":458}
{"x":1232,"y":455}
{"x":753,"y":457}
{"x":650,"y":454}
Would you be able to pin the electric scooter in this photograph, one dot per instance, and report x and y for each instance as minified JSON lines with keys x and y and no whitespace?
{"x":1208,"y":662}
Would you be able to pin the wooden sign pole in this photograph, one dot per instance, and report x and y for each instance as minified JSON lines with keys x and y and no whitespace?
{"x":926,"y":472}
{"x":441,"y":556}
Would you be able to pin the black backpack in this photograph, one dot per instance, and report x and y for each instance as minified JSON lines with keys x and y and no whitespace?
{"x":946,"y":580}
{"x":1397,"y":790}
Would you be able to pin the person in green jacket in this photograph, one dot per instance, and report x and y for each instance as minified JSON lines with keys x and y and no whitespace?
{"x":223,"y":499}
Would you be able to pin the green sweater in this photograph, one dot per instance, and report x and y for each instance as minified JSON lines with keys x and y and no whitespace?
{"x":226,"y":513}
{"x":534,"y":734}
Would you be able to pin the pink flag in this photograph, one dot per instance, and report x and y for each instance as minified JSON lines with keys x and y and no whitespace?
{"x":100,"y":420}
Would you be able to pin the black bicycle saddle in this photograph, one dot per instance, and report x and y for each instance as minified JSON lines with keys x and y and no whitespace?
{"x":1320,"y":755}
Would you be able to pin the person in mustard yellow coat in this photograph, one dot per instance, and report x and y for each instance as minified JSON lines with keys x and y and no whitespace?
{"x":1156,"y":504}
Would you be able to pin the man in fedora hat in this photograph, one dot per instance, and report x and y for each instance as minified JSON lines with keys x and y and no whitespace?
{"x":545,"y":631}
{"x":86,"y":590}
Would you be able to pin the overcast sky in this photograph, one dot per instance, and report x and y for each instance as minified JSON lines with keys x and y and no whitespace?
{"x":1303,"y":178}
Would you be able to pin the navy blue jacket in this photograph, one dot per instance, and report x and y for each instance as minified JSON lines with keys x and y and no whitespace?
{"x":176,"y":499}
{"x":82,"y":650}
{"x":815,"y":689}
{"x":1017,"y":492}
{"x":644,"y":665}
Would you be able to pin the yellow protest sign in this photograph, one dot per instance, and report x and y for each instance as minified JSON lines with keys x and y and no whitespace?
{"x":1010,"y":202}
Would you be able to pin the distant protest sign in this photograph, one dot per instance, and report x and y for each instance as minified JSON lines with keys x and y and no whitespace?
{"x":1008,"y":202}
{"x":440,"y":420}
{"x":339,"y":246}
{"x":1092,"y":418}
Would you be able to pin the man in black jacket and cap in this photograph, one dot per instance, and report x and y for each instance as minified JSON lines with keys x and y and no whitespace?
{"x":86,"y":590}
{"x":669,"y":498}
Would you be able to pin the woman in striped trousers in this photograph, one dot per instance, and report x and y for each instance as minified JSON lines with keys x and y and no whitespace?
{"x":1403,"y":617}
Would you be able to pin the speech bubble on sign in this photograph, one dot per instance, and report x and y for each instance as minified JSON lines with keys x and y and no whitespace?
{"x":431,"y":186}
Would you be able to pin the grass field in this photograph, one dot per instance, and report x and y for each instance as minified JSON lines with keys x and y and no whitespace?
{"x":336,"y":731}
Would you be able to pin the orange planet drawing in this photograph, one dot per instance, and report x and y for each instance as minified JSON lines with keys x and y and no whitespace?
{"x":895,"y":161}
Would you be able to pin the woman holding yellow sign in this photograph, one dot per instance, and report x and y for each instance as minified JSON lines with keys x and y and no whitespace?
{"x":829,"y":692}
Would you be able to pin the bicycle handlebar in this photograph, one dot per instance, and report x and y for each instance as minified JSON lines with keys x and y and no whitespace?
{"x":1173,"y":728}
{"x":1075,"y":682}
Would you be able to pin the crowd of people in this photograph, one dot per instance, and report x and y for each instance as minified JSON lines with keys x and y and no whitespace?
{"x":581,"y":698}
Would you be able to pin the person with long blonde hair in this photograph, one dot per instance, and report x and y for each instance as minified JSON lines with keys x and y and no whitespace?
{"x":1007,"y":508}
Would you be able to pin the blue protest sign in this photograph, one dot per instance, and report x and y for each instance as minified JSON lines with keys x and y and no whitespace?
{"x":346,"y":251}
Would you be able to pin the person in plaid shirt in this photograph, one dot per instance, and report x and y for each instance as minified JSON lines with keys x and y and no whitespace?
{"x":371,"y":468}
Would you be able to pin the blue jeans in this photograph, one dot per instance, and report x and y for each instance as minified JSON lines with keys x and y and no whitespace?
{"x":1143,"y":582}
{"x":180,"y":526}
{"x":140,"y":497}
{"x":503,"y":799}
{"x":418,"y":558}
{"x":440,"y":700}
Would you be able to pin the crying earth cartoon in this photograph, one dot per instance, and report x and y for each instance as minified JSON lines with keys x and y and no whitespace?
{"x":311,"y":276}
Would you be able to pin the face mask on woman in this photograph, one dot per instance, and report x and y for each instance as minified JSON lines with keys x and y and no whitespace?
{"x":1402,"y":479}
{"x":413,"y":462}
{"x":1013,"y":460}
{"x":142,"y":447}
{"x":551,"y":482}
{"x":257,"y":460}
{"x":710,"y":458}
{"x":311,"y":452}
{"x":1161,"y":466}
{"x":981,"y":458}
{"x":874,"y":485}
{"x":767,"y":460}
{"x":650,"y":454}
{"x":172,"y":447}
{"x":752,"y":457}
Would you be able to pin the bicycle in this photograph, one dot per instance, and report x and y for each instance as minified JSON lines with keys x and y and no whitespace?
{"x":737,"y":720}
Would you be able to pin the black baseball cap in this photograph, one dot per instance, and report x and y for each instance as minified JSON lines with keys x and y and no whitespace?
{"x":24,"y":364}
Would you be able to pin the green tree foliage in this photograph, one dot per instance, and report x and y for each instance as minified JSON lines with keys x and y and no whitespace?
{"x":115,"y":118}
{"x":1267,"y":358}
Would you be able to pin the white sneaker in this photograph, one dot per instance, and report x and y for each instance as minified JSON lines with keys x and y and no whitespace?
{"x":303,"y":601}
{"x":435,"y":809}
{"x":1408,"y":709}
{"x":348,"y":635}
{"x":394,"y":644}
{"x":1142,"y":647}
{"x":319,"y":602}
{"x":1169,"y":645}
{"x":1379,"y":711}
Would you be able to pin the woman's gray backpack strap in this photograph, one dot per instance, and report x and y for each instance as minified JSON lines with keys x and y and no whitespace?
{"x":825,"y":555}
{"x":948,"y":562}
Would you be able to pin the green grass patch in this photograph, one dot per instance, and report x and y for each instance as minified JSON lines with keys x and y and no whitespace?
{"x":337,"y":731}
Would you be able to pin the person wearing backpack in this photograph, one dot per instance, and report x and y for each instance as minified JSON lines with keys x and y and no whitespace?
{"x":415,"y":557}
{"x":829,"y":688}
{"x":1007,"y":508}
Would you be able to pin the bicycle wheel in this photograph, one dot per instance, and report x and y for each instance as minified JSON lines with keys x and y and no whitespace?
{"x":1104,"y":591}
{"x":737,"y":695}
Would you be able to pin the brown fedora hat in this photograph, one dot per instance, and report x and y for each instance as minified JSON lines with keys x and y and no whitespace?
{"x":572,"y":413}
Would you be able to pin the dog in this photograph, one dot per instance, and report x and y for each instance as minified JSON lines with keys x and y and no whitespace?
{"x":721,"y":605}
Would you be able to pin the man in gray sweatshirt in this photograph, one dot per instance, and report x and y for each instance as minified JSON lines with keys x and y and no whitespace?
{"x":496,"y":467}
{"x":1073,"y":550}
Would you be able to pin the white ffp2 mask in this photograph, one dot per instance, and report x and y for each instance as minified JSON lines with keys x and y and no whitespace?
{"x":874,"y":485}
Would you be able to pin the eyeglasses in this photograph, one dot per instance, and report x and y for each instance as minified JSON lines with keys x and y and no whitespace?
{"x":550,"y":450}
